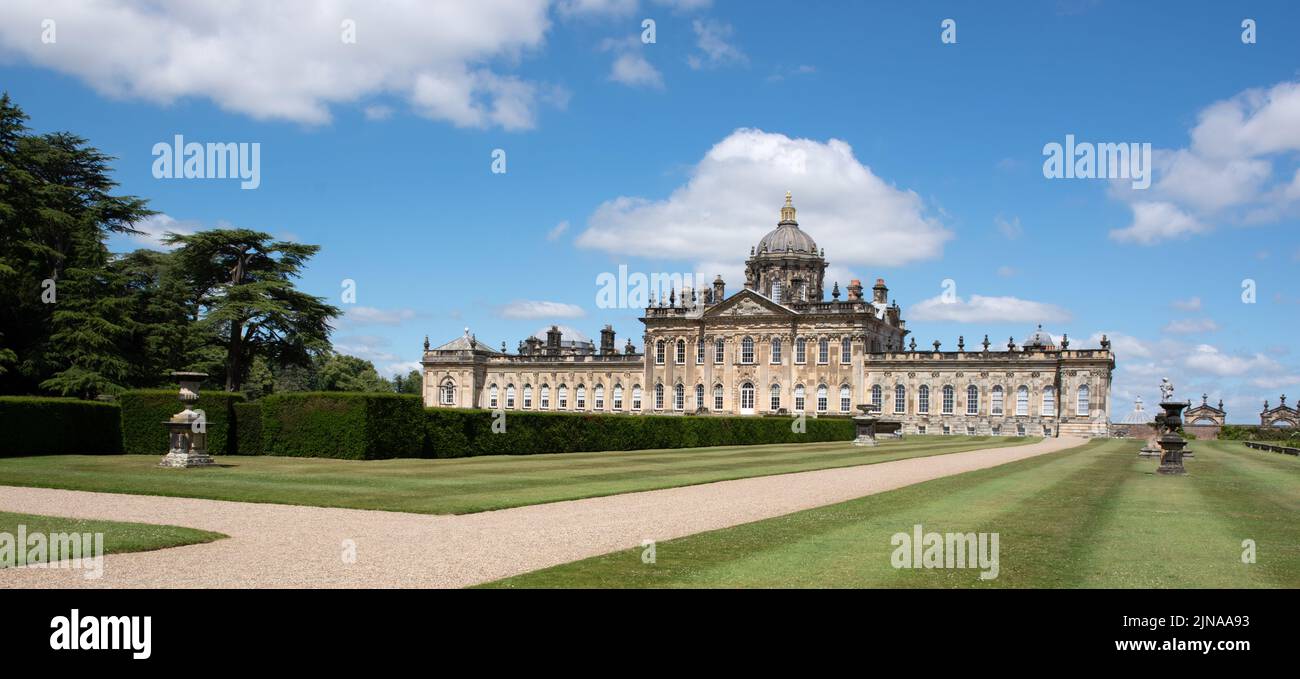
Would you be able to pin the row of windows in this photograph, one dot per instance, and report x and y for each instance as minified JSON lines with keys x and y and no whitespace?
{"x":561,"y":396}
{"x":747,"y":351}
{"x":1082,"y":404}
{"x":995,"y":430}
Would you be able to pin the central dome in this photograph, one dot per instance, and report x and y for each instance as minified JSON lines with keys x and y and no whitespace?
{"x":787,"y":236}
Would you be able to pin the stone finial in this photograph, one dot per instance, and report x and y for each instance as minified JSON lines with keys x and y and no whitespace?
{"x":1065,"y":341}
{"x":1011,"y":344}
{"x":835,"y":291}
{"x":503,"y":346}
{"x":1105,"y":342}
{"x":961,"y":343}
{"x":1283,"y":400}
{"x":787,"y":210}
{"x":936,"y":345}
{"x":986,"y":343}
{"x":1220,"y":404}
{"x":426,"y":342}
{"x":1205,"y":399}
{"x":912,"y":346}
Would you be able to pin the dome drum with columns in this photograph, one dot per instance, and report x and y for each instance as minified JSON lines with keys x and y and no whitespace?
{"x":778,"y":346}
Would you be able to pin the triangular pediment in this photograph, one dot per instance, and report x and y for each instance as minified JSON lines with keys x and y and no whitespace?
{"x":747,"y":303}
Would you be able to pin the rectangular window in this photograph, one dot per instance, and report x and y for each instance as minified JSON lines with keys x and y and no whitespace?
{"x":776,"y":351}
{"x":718,"y":351}
{"x":800,"y":350}
{"x":997,"y":430}
{"x":947,"y":430}
{"x":717,"y":399}
{"x":846,"y":351}
{"x":947,"y":400}
{"x":920,"y":429}
{"x":747,"y":351}
{"x":824,"y":351}
{"x":900,"y":401}
{"x":776,"y":400}
{"x":997,"y":402}
{"x":923,"y":401}
{"x":699,"y":352}
{"x":970,"y":431}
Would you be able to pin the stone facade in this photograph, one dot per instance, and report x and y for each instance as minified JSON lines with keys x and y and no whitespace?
{"x":776,"y":347}
{"x":1280,"y":416}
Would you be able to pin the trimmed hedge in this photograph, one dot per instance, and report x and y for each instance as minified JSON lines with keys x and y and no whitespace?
{"x":353,"y":426}
{"x":1254,"y":432}
{"x":33,"y":425}
{"x":145,"y":410}
{"x":248,"y":428}
{"x":463,"y":433}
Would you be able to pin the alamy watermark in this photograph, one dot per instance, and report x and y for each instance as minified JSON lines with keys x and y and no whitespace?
{"x":1086,"y":160}
{"x":213,"y":160}
{"x":638,"y":290}
{"x":71,"y":551}
{"x":920,"y":549}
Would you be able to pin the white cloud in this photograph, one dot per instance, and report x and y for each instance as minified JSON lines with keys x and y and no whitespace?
{"x":154,"y":227}
{"x":1189,"y":326}
{"x":1123,"y":345}
{"x":982,"y":309}
{"x":399,"y":368}
{"x":1208,"y":359}
{"x":596,"y":8}
{"x":713,"y":37}
{"x":630,"y":66}
{"x":365,"y":315}
{"x":287,"y":60}
{"x":540,"y":309}
{"x":1276,"y":381}
{"x":734,"y":195}
{"x":1155,"y":222}
{"x":378,"y":112}
{"x":1010,"y":229}
{"x":1190,"y":304}
{"x":1226,"y":175}
{"x":558,"y":230}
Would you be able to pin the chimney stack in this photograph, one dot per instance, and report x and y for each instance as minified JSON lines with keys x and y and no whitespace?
{"x":607,"y":340}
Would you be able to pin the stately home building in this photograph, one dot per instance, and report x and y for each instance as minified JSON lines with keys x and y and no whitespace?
{"x":779,"y":347}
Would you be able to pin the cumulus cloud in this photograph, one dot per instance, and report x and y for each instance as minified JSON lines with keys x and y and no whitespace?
{"x":1189,"y":304}
{"x":1239,"y":168}
{"x":982,"y":309}
{"x":154,"y":227}
{"x":630,"y":66}
{"x":288,"y":61}
{"x":597,"y":8}
{"x":526,"y":308}
{"x":1208,"y":359}
{"x":734,"y":195}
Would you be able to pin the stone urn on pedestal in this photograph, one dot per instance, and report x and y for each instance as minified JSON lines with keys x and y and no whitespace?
{"x":1171,"y":444}
{"x":187,"y":431}
{"x":865,"y":424}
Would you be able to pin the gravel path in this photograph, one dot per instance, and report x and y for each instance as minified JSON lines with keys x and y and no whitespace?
{"x":289,"y":546}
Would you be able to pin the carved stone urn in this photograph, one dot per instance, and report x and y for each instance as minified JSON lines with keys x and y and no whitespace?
{"x":187,"y":431}
{"x":1171,"y":444}
{"x":865,"y":424}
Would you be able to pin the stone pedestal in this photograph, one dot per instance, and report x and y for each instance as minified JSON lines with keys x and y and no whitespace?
{"x":865,"y":425}
{"x":1171,"y":444}
{"x":187,"y":431}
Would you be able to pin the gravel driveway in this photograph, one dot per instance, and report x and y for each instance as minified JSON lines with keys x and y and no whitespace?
{"x":289,"y":546}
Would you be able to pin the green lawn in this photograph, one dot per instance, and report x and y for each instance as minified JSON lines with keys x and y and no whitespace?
{"x":1095,"y":516}
{"x":461,"y":485}
{"x":118,"y":537}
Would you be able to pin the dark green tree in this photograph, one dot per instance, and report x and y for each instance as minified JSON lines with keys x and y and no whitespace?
{"x":341,"y":372}
{"x":413,"y":383}
{"x":243,"y":285}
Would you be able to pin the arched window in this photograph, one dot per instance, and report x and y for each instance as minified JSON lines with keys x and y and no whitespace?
{"x":562,"y":397}
{"x":719,"y":350}
{"x":680,"y":358}
{"x":776,"y":349}
{"x":747,"y":396}
{"x":659,"y":397}
{"x":618,"y":397}
{"x":923,"y":399}
{"x":580,"y":397}
{"x":659,"y":352}
{"x":877,"y":396}
{"x":822,"y":404}
{"x":900,"y":399}
{"x":846,"y":350}
{"x":846,"y":398}
{"x":699,"y":351}
{"x":447,"y":393}
{"x":997,"y":401}
{"x":972,"y":400}
{"x":775,"y":403}
{"x":747,"y":350}
{"x":528,"y":396}
{"x":636,"y":397}
{"x":510,"y":396}
{"x":800,"y":350}
{"x":545,"y":398}
{"x":1082,"y":407}
{"x":717,"y":397}
{"x":948,"y":398}
{"x":798,"y":398}
{"x":824,"y":351}
{"x":1022,"y":400}
{"x":679,"y":397}
{"x":492,"y":396}
{"x":699,"y":396}
{"x":1049,"y":401}
{"x":598,"y":397}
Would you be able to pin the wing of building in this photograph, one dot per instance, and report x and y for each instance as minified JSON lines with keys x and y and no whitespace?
{"x":778,"y":346}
